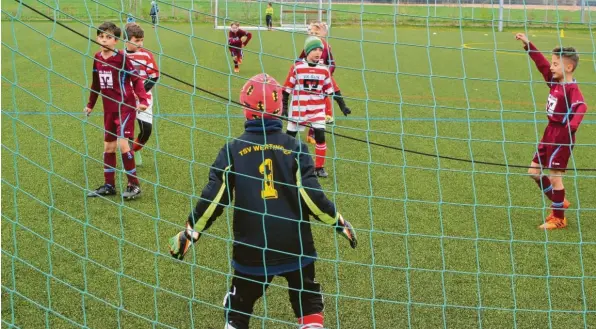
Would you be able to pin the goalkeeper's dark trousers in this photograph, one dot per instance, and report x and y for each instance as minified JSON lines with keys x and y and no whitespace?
{"x":303,"y":289}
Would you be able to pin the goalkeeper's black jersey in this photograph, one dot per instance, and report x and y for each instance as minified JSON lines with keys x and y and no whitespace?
{"x":272,"y":176}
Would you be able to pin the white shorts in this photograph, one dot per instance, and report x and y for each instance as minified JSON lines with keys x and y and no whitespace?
{"x":294,"y":124}
{"x":147,"y":115}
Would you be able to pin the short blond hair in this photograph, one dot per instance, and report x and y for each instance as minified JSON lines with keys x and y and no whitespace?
{"x":318,"y":29}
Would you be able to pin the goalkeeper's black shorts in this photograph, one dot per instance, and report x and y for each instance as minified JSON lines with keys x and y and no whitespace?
{"x":303,"y":289}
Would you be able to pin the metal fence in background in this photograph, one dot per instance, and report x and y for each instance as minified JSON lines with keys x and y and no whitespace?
{"x":532,"y":13}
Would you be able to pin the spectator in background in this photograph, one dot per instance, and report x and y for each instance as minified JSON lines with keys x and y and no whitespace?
{"x":269,"y":16}
{"x":153,"y":12}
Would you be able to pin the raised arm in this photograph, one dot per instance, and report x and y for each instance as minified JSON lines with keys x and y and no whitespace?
{"x":542,"y":64}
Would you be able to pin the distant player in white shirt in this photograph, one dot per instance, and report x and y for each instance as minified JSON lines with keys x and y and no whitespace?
{"x":146,"y":67}
{"x":310,"y":84}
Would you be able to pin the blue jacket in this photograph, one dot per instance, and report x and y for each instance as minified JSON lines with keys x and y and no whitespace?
{"x":154,"y":10}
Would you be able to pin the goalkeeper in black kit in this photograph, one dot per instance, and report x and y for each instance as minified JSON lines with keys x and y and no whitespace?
{"x":277,"y":190}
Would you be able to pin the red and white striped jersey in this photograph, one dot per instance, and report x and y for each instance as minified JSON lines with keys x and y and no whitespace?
{"x":309,"y":85}
{"x":144,"y":64}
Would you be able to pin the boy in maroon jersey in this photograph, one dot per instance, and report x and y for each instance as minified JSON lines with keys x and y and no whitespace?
{"x":565,"y":109}
{"x":114,"y":77}
{"x":236,"y":43}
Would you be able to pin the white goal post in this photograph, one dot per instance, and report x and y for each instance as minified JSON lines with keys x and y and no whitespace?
{"x":289,"y":15}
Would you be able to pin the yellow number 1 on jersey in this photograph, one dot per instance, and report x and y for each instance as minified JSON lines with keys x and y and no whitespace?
{"x":266,"y":169}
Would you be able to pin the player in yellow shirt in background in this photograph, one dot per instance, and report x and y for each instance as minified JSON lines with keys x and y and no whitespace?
{"x":269,"y":16}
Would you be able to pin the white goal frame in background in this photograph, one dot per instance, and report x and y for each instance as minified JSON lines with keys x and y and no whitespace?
{"x":290,"y":15}
{"x":302,"y":16}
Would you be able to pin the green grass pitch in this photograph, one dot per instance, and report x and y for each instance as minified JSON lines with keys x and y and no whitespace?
{"x":442,"y":243}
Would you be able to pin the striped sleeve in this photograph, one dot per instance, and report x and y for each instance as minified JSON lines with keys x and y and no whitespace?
{"x":327,"y":84}
{"x":137,"y":82}
{"x":153,"y":70}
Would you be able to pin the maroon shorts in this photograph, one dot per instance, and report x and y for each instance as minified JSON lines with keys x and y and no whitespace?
{"x":119,"y":125}
{"x":236,"y":52}
{"x":555,"y":147}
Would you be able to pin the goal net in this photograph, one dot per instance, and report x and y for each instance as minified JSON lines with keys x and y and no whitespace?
{"x":287,"y":15}
{"x":431,"y":167}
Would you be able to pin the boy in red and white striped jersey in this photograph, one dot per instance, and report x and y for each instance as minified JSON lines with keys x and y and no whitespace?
{"x":310,"y":85}
{"x":319,"y":29}
{"x":145,"y":65}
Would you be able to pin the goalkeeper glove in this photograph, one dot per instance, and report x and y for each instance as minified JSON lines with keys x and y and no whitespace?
{"x":181,"y":242}
{"x":344,"y":228}
{"x":346,"y":110}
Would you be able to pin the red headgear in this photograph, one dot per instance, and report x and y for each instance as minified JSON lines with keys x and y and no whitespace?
{"x":260,"y":95}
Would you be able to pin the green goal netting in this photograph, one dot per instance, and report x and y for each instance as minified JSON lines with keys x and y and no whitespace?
{"x":430,"y":167}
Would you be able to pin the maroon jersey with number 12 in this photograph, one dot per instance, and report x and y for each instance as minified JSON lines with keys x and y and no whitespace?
{"x":565,"y":110}
{"x":117,"y":81}
{"x":565,"y":104}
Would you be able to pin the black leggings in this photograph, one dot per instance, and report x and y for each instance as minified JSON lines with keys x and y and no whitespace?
{"x":319,"y":135}
{"x":145,"y":129}
{"x":269,"y":20}
{"x":304,"y":292}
